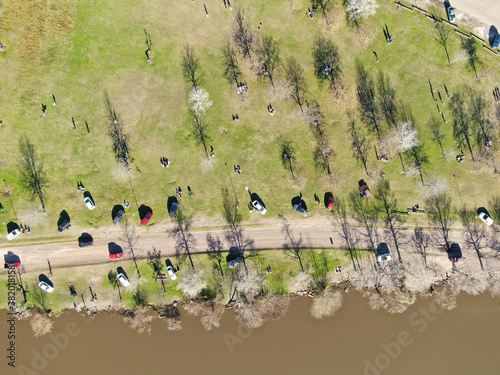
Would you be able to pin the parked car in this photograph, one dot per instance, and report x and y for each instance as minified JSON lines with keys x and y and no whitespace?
{"x":364,"y":191}
{"x":383,"y":253}
{"x":173,"y":209}
{"x":301,"y":210}
{"x":259,"y":207}
{"x":171,"y":272}
{"x":13,"y":234}
{"x":118,"y":255}
{"x":496,"y":42}
{"x":89,"y":203}
{"x":455,"y":254}
{"x":146,"y":218}
{"x":45,"y":286}
{"x":486,"y":218}
{"x":451,"y":14}
{"x":85,"y":240}
{"x":65,"y":225}
{"x":123,"y":279}
{"x":12,"y":265}
{"x":330,"y":202}
{"x":119,"y":215}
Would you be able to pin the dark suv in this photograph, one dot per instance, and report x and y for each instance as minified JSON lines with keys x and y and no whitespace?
{"x":85,"y":240}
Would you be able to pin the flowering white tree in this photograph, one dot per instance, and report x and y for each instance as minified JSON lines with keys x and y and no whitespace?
{"x":192,"y":283}
{"x":199,"y":101}
{"x":358,"y":10}
{"x":408,"y":136}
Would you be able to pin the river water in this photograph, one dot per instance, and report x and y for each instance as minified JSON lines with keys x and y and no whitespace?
{"x":356,"y":340}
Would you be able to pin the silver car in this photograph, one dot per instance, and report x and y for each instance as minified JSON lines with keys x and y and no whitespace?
{"x":259,"y":207}
{"x":301,"y":210}
{"x":44,"y":286}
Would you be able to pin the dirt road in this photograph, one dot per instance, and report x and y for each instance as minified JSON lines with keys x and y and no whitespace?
{"x":487,"y":11}
{"x":69,"y":254}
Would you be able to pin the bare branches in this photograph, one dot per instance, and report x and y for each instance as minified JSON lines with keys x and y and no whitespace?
{"x":32,"y":171}
{"x":294,"y":74}
{"x":154,"y":260}
{"x":469,"y":45}
{"x":462,"y":130}
{"x":387,"y":97}
{"x":475,"y":235}
{"x":364,"y":213}
{"x":366,"y":98}
{"x":437,"y":132}
{"x":199,"y":100}
{"x":116,"y":130}
{"x":359,"y":144}
{"x":191,"y":66}
{"x":441,"y":35}
{"x":293,"y":247}
{"x":269,"y":56}
{"x":358,"y":10}
{"x":130,"y":237}
{"x":232,"y":70}
{"x":184,"y":239}
{"x":243,"y":35}
{"x":327,"y":63}
{"x":214,"y":252}
{"x":346,"y":232}
{"x":440,"y":214}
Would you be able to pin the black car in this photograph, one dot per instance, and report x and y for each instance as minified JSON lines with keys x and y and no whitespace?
{"x":85,"y":240}
{"x":65,"y":225}
{"x":118,"y":217}
{"x":173,"y":209}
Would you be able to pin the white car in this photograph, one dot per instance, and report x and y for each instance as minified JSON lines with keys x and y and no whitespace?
{"x":89,"y":203}
{"x":44,"y":286}
{"x":259,"y":207}
{"x":486,"y":218}
{"x":13,"y":234}
{"x":171,"y":272}
{"x":123,"y":279}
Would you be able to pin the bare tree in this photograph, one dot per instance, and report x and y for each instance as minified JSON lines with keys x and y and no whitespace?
{"x":407,"y":138}
{"x":387,"y":97}
{"x":441,"y":215}
{"x":437,"y":132}
{"x":243,"y":35}
{"x":232,"y":70}
{"x":469,"y":45}
{"x":417,"y":156}
{"x":315,"y":117}
{"x":321,"y":156}
{"x":293,"y":247}
{"x":388,"y":204}
{"x":359,"y":144}
{"x":130,"y":237}
{"x":441,"y":35}
{"x":191,"y":66}
{"x":201,"y":135}
{"x":287,"y":154}
{"x":478,"y":112}
{"x":327,"y":62}
{"x":421,"y":241}
{"x":154,"y":260}
{"x":294,"y":74}
{"x":114,"y":282}
{"x":214,"y":252}
{"x":32,"y":170}
{"x":184,"y":239}
{"x":365,"y":213}
{"x":192,"y":283}
{"x":268,"y":53}
{"x":346,"y":232}
{"x":234,"y":235}
{"x":326,"y":304}
{"x":475,"y":235}
{"x":462,"y":130}
{"x":366,"y":98}
{"x":358,"y":10}
{"x":116,"y":130}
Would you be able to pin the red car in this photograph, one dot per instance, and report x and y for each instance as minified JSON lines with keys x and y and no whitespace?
{"x":116,"y":255}
{"x":146,"y":218}
{"x":330,"y":202}
{"x":12,"y":265}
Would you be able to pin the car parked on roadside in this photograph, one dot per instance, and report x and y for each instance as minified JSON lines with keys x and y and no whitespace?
{"x":496,"y":42}
{"x":171,"y":272}
{"x":85,"y":240}
{"x":173,"y":209}
{"x":45,"y":286}
{"x":383,"y":253}
{"x":146,"y":218}
{"x":451,"y":14}
{"x":301,"y":210}
{"x":89,"y":202}
{"x":259,"y":206}
{"x":330,"y":202}
{"x":123,"y":279}
{"x":486,"y":218}
{"x":65,"y":225}
{"x":119,"y":215}
{"x":118,"y":255}
{"x":13,"y":234}
{"x":12,"y":265}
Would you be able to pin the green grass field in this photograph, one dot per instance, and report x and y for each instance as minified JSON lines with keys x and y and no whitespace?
{"x":79,"y":51}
